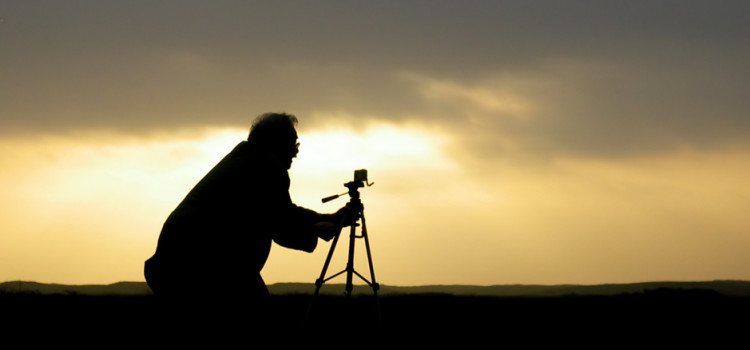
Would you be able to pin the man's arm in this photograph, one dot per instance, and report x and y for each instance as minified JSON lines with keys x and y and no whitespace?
{"x":307,"y":226}
{"x":295,"y":229}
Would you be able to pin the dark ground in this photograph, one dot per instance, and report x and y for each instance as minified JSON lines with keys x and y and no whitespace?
{"x":658,"y":318}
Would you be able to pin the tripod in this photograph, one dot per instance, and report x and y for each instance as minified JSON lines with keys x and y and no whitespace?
{"x":356,"y":204}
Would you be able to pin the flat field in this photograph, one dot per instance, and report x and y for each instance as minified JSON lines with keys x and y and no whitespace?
{"x":666,"y":317}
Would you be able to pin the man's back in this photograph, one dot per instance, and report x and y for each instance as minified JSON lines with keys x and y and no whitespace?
{"x":221,"y":230}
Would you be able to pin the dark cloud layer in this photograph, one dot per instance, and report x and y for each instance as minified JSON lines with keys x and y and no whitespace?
{"x":599,"y":77}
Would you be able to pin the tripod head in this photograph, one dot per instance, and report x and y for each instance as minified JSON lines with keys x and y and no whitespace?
{"x":360,"y":180}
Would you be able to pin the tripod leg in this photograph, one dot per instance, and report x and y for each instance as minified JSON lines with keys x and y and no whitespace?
{"x":350,"y":262}
{"x":375,"y":286}
{"x":319,"y":282}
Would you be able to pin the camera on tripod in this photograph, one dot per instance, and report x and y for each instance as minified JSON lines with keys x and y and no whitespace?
{"x":360,"y":180}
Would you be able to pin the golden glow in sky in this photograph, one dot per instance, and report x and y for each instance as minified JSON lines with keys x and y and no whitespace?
{"x":88,"y":209}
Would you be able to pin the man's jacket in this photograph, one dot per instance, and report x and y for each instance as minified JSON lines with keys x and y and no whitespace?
{"x":218,"y":238}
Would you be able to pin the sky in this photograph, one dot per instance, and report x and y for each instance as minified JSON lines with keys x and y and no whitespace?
{"x":509,"y":142}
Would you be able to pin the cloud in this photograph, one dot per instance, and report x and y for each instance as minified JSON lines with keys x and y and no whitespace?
{"x":538,"y":78}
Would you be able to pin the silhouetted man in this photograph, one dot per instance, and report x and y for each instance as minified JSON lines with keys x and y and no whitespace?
{"x":217,"y":240}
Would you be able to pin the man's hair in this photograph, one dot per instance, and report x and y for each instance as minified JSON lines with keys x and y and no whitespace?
{"x":271,"y":128}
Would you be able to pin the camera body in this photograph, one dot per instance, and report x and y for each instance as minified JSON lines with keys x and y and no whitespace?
{"x":360,"y":175}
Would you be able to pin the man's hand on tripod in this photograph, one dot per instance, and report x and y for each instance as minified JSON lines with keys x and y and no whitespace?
{"x":347,"y":215}
{"x":327,"y":229}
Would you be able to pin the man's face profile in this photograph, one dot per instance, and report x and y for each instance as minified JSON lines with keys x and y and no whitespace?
{"x":290,"y":149}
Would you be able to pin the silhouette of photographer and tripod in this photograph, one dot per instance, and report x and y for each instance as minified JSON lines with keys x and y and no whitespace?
{"x":213,"y":246}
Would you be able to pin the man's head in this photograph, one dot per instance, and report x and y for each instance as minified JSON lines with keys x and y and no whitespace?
{"x":275,"y":133}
